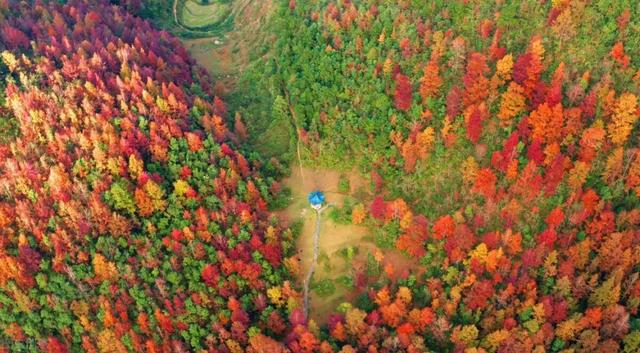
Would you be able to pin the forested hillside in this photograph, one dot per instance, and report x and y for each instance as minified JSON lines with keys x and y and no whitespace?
{"x":496,"y":143}
{"x":128,"y":220}
{"x":502,"y":139}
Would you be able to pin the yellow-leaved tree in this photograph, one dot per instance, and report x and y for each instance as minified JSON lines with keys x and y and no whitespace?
{"x":546,"y":122}
{"x":430,"y":82}
{"x":624,"y":116}
{"x":358,"y":214}
{"x":109,"y":343}
{"x":512,"y":103}
{"x":104,"y":269}
{"x":633,"y":177}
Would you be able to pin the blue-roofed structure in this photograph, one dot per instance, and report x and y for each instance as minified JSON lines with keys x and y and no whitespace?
{"x":316,"y":199}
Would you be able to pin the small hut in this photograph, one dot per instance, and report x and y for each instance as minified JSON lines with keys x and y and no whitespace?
{"x":316,"y":199}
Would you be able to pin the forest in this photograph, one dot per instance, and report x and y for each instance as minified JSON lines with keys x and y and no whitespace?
{"x":492,"y":150}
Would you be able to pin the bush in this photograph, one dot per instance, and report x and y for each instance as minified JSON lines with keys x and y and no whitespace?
{"x":324,"y":288}
{"x":343,"y":185}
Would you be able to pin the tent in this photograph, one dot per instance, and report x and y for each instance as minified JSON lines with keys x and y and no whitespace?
{"x":316,"y":198}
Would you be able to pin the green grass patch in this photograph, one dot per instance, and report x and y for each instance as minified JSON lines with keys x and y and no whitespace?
{"x":324,"y":260}
{"x":343,"y":185}
{"x":324,"y":288}
{"x":199,"y":14}
{"x":348,"y":253}
{"x":342,"y":215}
{"x":296,"y":227}
{"x":345,"y":281}
{"x":278,"y":139}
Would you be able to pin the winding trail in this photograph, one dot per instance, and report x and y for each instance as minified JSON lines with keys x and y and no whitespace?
{"x":312,"y":268}
{"x":316,"y":234}
{"x":175,"y":14}
{"x":295,"y":124}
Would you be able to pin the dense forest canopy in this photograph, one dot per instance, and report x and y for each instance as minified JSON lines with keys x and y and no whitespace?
{"x":502,"y":137}
{"x":129,"y":220}
{"x":498,"y":141}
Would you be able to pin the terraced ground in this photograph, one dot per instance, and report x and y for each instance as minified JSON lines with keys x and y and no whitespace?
{"x":197,"y":14}
{"x":227,"y":33}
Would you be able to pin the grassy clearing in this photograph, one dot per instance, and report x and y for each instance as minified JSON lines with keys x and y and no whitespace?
{"x":196,"y":14}
{"x":346,"y":251}
{"x":235,"y":57}
{"x":232,"y":42}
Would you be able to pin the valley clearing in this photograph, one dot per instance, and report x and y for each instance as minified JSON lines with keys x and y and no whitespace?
{"x":343,"y":249}
{"x":228,"y":52}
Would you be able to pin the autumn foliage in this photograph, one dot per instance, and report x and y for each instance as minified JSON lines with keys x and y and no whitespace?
{"x":513,"y":182}
{"x":403,"y":96}
{"x":131,"y":220}
{"x":128,"y":223}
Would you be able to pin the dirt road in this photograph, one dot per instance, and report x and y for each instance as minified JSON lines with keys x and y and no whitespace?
{"x":314,"y":262}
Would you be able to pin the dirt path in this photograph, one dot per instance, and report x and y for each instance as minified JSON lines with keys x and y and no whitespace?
{"x":295,"y":124}
{"x":321,"y":257}
{"x":175,"y":14}
{"x":330,"y":237}
{"x":314,"y":262}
